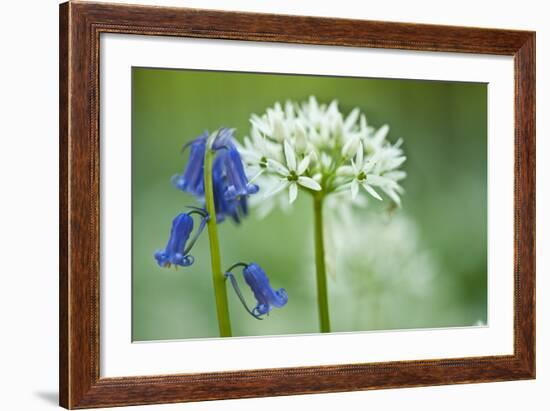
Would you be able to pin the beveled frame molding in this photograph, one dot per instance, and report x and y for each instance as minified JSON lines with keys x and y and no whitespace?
{"x":81,"y":24}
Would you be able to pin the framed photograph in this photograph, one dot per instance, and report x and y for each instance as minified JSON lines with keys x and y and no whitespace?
{"x":259,"y":205}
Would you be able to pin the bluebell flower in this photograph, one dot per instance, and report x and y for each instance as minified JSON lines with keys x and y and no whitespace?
{"x":177,"y":249}
{"x":237,"y":183}
{"x":224,"y":207}
{"x":243,"y":206}
{"x":231,"y":186}
{"x":266,"y":296}
{"x":192,"y":179}
{"x":224,"y":139}
{"x":234,"y":207}
{"x":257,"y":280}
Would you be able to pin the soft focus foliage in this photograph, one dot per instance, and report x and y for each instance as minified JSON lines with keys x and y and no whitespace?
{"x":396,"y":273}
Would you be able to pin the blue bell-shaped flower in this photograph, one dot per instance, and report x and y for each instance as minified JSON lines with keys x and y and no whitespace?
{"x":178,"y":247}
{"x":257,"y":280}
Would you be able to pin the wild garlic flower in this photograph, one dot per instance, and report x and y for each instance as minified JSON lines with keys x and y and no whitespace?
{"x":315,"y":148}
{"x":292,"y":174}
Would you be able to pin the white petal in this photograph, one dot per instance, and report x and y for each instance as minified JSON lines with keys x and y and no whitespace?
{"x":313,"y":106}
{"x":300,"y":137}
{"x":250,"y":156}
{"x":398,"y":143}
{"x":277,"y":167}
{"x":338,"y":126}
{"x":371,"y":191}
{"x":309,"y":183}
{"x":290,"y":156}
{"x":351,"y":146}
{"x":277,"y":188}
{"x":248,"y":145}
{"x":359,"y":155}
{"x":363,"y":123}
{"x":354,"y":188}
{"x":325,"y":129}
{"x":333,"y":107}
{"x":380,"y":181}
{"x":395,"y":162}
{"x":396,"y":175}
{"x":399,"y":189}
{"x":326,"y":160}
{"x":341,"y":188}
{"x":279,"y":130}
{"x":278,"y":108}
{"x":314,"y":136}
{"x":239,"y":146}
{"x":393,"y":195}
{"x":289,"y":109}
{"x":356,"y":170}
{"x":292,"y":192}
{"x":255,"y":135}
{"x":260,"y":124}
{"x":381,"y":134}
{"x":272,"y":150}
{"x":371,"y":163}
{"x":258,"y":174}
{"x":345,"y":171}
{"x":302,"y":167}
{"x":351,"y":119}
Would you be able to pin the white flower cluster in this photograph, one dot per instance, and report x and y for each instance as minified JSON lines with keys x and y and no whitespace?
{"x":314,"y":147}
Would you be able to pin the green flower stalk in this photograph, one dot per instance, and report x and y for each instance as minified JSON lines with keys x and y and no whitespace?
{"x":218,"y":278}
{"x":320,"y":264}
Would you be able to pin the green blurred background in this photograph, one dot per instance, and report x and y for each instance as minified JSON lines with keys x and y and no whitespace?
{"x":422,"y":266}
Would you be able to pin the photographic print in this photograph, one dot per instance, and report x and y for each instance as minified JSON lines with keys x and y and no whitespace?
{"x":253,"y":205}
{"x":277,"y":204}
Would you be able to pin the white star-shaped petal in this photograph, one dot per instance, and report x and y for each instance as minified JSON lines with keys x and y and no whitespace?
{"x":292,"y":175}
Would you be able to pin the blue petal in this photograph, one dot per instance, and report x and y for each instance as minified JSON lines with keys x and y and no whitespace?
{"x":231,"y":186}
{"x":192,"y":179}
{"x":236,"y":178}
{"x":243,"y":205}
{"x":265,"y":295}
{"x":237,"y":289}
{"x":174,"y":253}
{"x":224,"y":139}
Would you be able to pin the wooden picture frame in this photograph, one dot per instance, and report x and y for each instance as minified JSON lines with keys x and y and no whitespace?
{"x":81,"y":24}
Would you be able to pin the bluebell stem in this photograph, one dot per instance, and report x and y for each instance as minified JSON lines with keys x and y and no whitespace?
{"x":266,"y":296}
{"x":177,"y":249}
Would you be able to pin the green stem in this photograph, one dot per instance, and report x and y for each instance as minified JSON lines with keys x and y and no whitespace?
{"x":320,"y":266}
{"x":218,"y":278}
